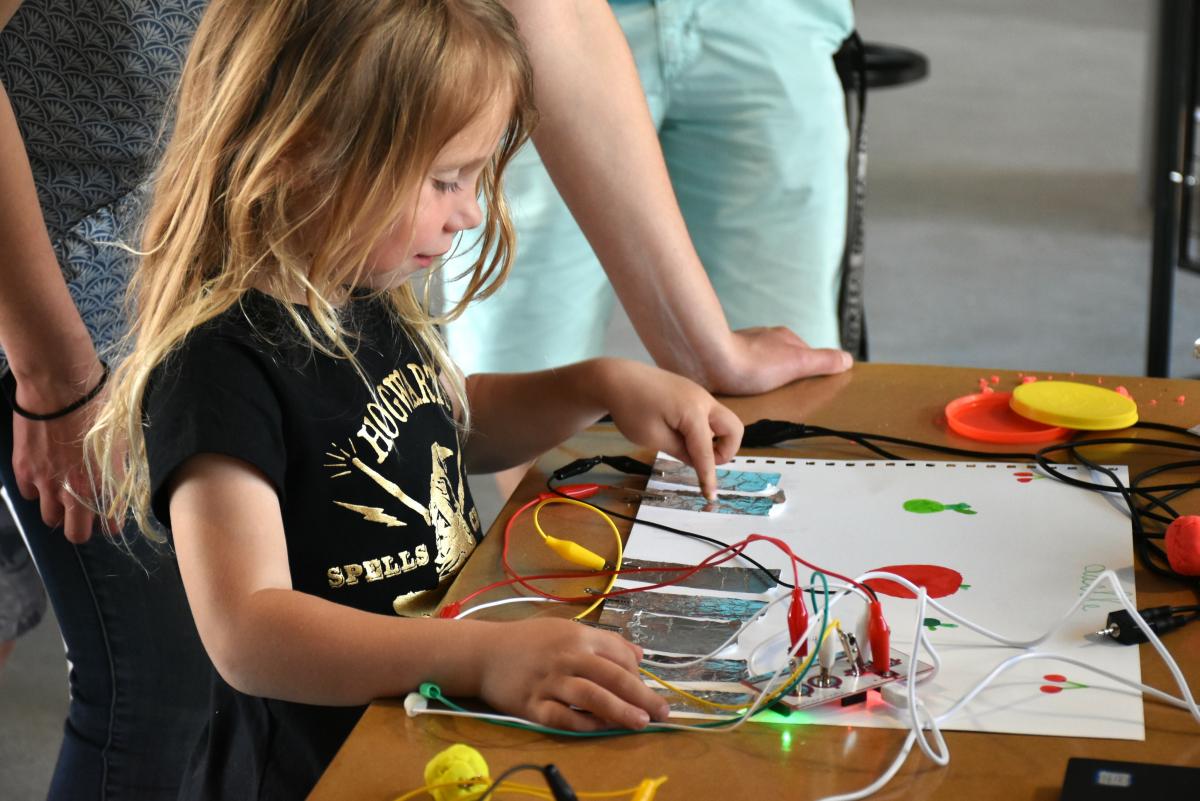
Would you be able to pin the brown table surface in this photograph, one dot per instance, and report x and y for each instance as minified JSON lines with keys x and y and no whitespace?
{"x":386,"y":754}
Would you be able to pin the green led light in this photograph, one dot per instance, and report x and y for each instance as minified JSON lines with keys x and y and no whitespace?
{"x":785,"y":741}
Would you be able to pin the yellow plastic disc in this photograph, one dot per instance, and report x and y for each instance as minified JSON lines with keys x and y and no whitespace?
{"x":1071,"y":405}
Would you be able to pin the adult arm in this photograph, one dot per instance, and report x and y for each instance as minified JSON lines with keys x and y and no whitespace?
{"x":49,"y":350}
{"x":594,"y":116}
{"x":269,"y":640}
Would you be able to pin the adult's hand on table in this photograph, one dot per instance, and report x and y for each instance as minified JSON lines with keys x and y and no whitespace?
{"x":761,"y":359}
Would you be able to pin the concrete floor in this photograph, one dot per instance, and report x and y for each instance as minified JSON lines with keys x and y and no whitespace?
{"x":1005,"y":229}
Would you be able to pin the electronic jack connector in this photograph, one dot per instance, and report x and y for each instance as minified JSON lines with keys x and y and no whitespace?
{"x":1121,"y":627}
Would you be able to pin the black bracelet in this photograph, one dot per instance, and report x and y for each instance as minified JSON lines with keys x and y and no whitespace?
{"x":9,"y":383}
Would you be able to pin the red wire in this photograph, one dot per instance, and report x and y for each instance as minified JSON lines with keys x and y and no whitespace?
{"x":686,"y":570}
{"x":718,"y":557}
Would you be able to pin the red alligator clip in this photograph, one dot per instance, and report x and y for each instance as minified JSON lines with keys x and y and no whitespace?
{"x":797,"y":620}
{"x":576,"y":491}
{"x":881,"y":639}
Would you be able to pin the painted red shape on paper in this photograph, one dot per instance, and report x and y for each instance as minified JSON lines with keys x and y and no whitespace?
{"x":938,"y":581}
{"x":1061,"y":683}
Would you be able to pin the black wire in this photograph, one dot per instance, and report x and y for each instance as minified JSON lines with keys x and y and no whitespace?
{"x":496,"y":782}
{"x":1187,"y":432}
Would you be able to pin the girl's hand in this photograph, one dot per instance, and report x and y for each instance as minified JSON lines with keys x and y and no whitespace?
{"x":567,"y":675}
{"x":661,"y":410}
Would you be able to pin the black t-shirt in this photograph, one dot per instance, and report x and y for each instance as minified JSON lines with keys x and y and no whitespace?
{"x":375,"y":504}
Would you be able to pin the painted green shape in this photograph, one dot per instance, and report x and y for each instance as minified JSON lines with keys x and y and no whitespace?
{"x":964,"y":586}
{"x":933,"y":624}
{"x":923,"y":506}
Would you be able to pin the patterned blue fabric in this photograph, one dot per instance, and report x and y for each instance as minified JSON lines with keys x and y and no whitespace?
{"x":90,"y":81}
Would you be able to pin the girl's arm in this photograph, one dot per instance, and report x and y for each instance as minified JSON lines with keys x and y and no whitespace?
{"x":268,"y":640}
{"x":517,"y":416}
{"x":49,"y":350}
{"x":598,"y":142}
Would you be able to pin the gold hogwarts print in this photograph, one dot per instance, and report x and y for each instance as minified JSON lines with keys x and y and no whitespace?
{"x":394,"y":400}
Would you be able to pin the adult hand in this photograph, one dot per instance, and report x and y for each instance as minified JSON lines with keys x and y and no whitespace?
{"x":661,"y":410}
{"x":568,"y":676}
{"x":48,"y":458}
{"x":761,"y":359}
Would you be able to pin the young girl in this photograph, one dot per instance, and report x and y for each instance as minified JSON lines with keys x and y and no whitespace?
{"x":288,"y":414}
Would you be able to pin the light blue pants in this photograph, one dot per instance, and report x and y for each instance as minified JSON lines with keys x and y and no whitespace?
{"x":752,"y":122}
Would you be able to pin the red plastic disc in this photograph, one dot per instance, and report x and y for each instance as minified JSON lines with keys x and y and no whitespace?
{"x":987,"y":417}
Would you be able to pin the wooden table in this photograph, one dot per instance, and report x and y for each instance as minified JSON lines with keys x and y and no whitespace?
{"x":387,"y":752}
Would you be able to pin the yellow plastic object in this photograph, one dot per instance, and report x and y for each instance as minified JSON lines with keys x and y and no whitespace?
{"x":461,"y":764}
{"x":576,"y":553}
{"x":1072,"y":405}
{"x":563,"y":550}
{"x":648,"y":789}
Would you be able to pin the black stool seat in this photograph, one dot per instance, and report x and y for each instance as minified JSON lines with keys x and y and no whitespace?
{"x":890,"y":65}
{"x":864,"y":66}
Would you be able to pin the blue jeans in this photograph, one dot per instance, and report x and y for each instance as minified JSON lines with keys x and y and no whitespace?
{"x":138,"y":674}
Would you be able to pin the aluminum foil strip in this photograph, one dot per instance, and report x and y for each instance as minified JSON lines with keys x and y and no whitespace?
{"x":722,"y":579}
{"x":670,"y":633}
{"x":715,"y":607}
{"x":730,"y":671}
{"x":688,"y":501}
{"x":672,"y":472}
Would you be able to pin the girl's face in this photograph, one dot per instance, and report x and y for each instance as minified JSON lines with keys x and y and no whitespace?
{"x":448,"y":202}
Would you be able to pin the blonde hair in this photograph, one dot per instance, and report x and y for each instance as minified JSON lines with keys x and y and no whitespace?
{"x":303,"y":130}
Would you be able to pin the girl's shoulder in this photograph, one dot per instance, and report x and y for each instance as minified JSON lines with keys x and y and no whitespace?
{"x":278,"y":337}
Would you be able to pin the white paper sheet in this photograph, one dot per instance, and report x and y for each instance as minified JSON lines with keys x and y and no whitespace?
{"x":1025,"y":556}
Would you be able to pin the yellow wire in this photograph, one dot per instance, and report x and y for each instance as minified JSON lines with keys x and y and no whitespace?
{"x":508,"y":787}
{"x":738,"y":707}
{"x":620,"y":551}
{"x":531,"y":789}
{"x":440,"y":785}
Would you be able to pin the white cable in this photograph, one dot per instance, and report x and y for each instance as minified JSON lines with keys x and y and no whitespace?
{"x":915,"y":705}
{"x":1109,"y":577}
{"x":918,"y":714}
{"x":883,"y":779}
{"x":454,"y":713}
{"x":502,"y":602}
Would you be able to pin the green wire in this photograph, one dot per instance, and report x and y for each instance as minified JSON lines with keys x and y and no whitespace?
{"x":434,"y":693}
{"x":824,"y":626}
